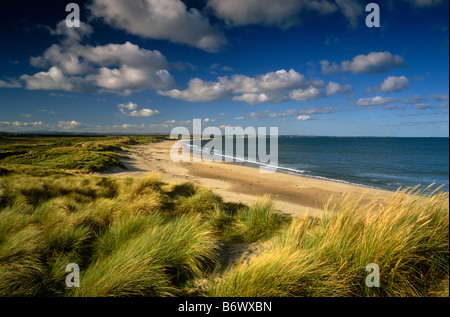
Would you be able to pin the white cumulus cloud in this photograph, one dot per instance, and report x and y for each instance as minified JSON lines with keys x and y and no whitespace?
{"x":199,"y":91}
{"x":10,"y":84}
{"x":374,"y":62}
{"x":114,"y":68}
{"x":375,"y":101}
{"x":68,"y":125}
{"x":335,"y":88}
{"x":165,"y":20}
{"x":283,"y":13}
{"x":393,"y":83}
{"x":54,"y":79}
{"x":307,"y":94}
{"x":133,"y":110}
{"x":276,"y":87}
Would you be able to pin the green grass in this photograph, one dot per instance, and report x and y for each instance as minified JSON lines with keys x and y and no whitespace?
{"x":86,"y":154}
{"x":143,"y":237}
{"x":407,"y":237}
{"x":131,"y":237}
{"x":248,"y":224}
{"x":148,"y":256}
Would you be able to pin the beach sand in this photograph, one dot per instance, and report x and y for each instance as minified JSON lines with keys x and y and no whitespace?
{"x":293,"y":194}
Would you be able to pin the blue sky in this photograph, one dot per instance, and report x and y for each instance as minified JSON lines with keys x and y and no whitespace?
{"x":309,"y":67}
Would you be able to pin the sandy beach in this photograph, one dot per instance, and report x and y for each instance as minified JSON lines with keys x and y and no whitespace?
{"x":293,"y":194}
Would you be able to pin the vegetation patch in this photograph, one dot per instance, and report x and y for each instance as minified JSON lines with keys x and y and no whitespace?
{"x":143,"y":237}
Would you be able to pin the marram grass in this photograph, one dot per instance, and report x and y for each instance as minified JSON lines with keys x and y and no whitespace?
{"x":406,"y":236}
{"x":142,"y":237}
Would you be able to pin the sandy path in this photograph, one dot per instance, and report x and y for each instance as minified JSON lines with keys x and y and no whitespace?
{"x":294,"y":194}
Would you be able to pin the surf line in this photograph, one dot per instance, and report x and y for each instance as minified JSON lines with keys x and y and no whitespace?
{"x":234,"y":139}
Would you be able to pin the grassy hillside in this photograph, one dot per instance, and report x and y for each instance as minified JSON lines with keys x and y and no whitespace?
{"x":143,"y":237}
{"x":85,"y":154}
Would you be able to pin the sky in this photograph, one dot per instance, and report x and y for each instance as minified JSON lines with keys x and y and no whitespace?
{"x":308,"y":67}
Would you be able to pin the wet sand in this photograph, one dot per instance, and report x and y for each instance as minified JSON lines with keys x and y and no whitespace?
{"x":240,"y":184}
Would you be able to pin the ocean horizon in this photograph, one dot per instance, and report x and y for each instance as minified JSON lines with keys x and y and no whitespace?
{"x":378,"y":162}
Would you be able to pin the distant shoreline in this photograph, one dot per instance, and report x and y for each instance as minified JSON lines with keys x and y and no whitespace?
{"x":357,"y":174}
{"x":91,"y":134}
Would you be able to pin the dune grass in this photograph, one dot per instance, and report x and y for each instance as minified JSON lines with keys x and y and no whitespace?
{"x":130,"y":237}
{"x":143,"y":237}
{"x":86,"y":154}
{"x":148,"y":256}
{"x":248,"y":224}
{"x":119,"y":231}
{"x":407,"y":237}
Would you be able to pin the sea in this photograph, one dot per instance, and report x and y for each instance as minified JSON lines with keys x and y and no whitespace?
{"x":377,"y":162}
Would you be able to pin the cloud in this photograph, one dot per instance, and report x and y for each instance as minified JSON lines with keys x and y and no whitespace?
{"x":61,"y":55}
{"x":422,"y":106}
{"x":127,"y":77}
{"x":78,"y":59}
{"x":26,"y":124}
{"x":54,"y":79}
{"x":375,"y":62}
{"x":288,"y":113}
{"x":307,"y":94}
{"x":276,"y":87}
{"x":113,"y":68}
{"x":199,"y":91}
{"x":317,"y":110}
{"x":68,"y":125}
{"x":123,"y":54}
{"x":72,"y":126}
{"x":420,"y":123}
{"x":10,"y":84}
{"x":144,"y":113}
{"x":389,"y":107}
{"x":116,"y":68}
{"x":72,"y":35}
{"x":393,"y":83}
{"x":270,"y":82}
{"x":50,"y":112}
{"x":227,"y":69}
{"x":284,"y":13}
{"x":164,"y":20}
{"x":281,"y":80}
{"x":414,"y":99}
{"x":17,"y":125}
{"x":352,"y":10}
{"x":440,"y":97}
{"x":252,"y":99}
{"x":376,"y":101}
{"x":425,"y":3}
{"x":133,"y":110}
{"x":304,"y":118}
{"x":334,"y":88}
{"x":65,"y":60}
